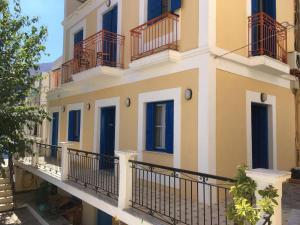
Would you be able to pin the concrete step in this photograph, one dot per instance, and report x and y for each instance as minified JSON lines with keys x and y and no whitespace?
{"x":4,"y":187}
{"x":6,"y":200}
{"x":5,"y":193}
{"x":4,"y":181}
{"x":6,"y":207}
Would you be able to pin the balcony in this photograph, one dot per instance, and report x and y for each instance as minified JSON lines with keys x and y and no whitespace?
{"x":168,"y":195}
{"x":101,"y":49}
{"x":267,"y":37}
{"x":154,"y":36}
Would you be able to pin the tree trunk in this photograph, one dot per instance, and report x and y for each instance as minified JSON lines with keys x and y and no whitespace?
{"x":11,"y":172}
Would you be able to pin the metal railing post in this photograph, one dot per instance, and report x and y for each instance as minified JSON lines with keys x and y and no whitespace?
{"x":64,"y":161}
{"x":125,"y":184}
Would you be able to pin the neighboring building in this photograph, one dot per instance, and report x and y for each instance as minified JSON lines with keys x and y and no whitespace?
{"x":199,"y":85}
{"x":40,"y":99}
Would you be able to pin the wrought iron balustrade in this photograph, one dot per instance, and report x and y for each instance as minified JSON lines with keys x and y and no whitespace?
{"x":49,"y":157}
{"x":95,"y":171}
{"x":267,"y":37}
{"x":154,"y":36}
{"x":103,"y":48}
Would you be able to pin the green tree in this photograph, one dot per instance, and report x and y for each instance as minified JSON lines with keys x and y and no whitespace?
{"x":21,"y":48}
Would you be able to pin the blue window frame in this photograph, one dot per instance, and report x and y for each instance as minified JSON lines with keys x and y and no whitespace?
{"x":159,"y":7}
{"x":160,"y":126}
{"x":74,"y":125}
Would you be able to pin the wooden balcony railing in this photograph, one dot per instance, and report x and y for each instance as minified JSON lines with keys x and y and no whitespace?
{"x":103,"y":48}
{"x":267,"y":37}
{"x":154,"y":36}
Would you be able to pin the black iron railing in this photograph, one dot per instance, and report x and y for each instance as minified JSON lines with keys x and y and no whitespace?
{"x":180,"y":196}
{"x":95,"y":171}
{"x":49,"y":158}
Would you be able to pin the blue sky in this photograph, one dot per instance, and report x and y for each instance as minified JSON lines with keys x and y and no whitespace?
{"x":51,"y":14}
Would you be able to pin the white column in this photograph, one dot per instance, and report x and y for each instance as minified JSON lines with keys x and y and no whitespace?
{"x":35,"y":152}
{"x":125,"y":183}
{"x":264,"y":178}
{"x":64,"y":161}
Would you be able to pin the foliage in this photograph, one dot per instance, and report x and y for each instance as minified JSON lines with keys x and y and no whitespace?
{"x":242,"y":210}
{"x":21,"y":48}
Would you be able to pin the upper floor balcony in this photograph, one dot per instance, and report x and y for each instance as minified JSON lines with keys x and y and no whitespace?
{"x":104,"y":48}
{"x":156,"y":35}
{"x":267,"y":37}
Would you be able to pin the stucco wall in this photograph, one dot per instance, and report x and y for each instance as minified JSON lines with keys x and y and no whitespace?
{"x":231,"y":122}
{"x":129,"y":116}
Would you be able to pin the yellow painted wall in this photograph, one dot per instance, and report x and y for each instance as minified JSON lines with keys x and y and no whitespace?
{"x":129,"y":116}
{"x":231,"y":121}
{"x":232,"y":23}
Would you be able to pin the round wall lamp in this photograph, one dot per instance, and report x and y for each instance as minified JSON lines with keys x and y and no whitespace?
{"x":128,"y":102}
{"x":263,"y":97}
{"x":88,"y":106}
{"x":108,"y":3}
{"x":188,"y":94}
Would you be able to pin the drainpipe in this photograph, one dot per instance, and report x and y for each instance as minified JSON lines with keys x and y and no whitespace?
{"x":297,"y":144}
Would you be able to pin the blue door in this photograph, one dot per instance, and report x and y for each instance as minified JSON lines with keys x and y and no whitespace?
{"x":260,"y":145}
{"x":103,"y":218}
{"x":54,"y":140}
{"x":268,"y":44}
{"x":110,"y":23}
{"x":107,"y":135}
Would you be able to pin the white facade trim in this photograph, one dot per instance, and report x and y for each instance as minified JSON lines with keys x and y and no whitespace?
{"x":169,"y":64}
{"x":51,"y":111}
{"x":104,"y":9}
{"x":251,"y":97}
{"x":101,"y":103}
{"x":73,"y":30}
{"x":76,"y":106}
{"x":154,"y":96}
{"x":143,"y":9}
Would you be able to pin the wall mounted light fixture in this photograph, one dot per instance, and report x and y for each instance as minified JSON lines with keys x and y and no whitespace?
{"x":188,"y":94}
{"x":88,"y":106}
{"x":263,"y":97}
{"x":108,"y":3}
{"x":64,"y":108}
{"x":128,"y":102}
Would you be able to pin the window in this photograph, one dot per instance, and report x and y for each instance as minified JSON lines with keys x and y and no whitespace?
{"x":159,"y":7}
{"x":159,"y":127}
{"x":78,"y":37}
{"x":74,"y":125}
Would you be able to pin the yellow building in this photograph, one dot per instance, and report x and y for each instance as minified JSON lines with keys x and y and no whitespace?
{"x":199,"y":85}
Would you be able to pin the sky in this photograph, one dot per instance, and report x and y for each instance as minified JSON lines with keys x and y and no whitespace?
{"x":51,"y":14}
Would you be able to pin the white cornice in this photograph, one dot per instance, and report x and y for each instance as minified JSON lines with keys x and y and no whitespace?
{"x":161,"y":64}
{"x":80,"y":13}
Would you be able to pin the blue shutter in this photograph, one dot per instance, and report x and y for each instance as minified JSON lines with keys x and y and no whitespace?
{"x":78,"y":37}
{"x":175,"y":4}
{"x":169,"y":126}
{"x":71,"y":126}
{"x":150,"y":127}
{"x":154,"y":8}
{"x":78,"y":118}
{"x":270,"y":8}
{"x":255,"y":6}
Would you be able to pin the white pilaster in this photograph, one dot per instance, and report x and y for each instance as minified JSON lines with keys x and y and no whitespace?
{"x":64,"y":161}
{"x":264,"y":178}
{"x":125,"y":183}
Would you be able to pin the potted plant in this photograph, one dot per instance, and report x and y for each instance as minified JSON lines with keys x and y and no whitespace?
{"x":244,"y":208}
